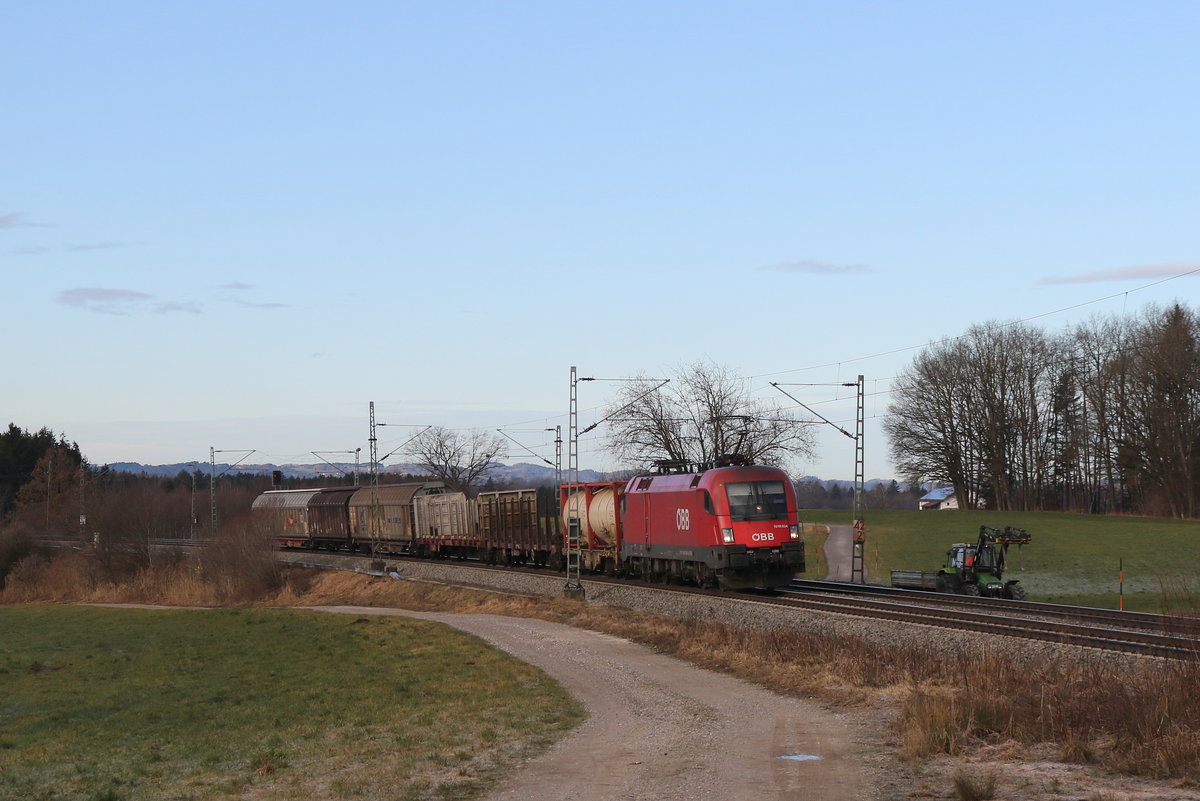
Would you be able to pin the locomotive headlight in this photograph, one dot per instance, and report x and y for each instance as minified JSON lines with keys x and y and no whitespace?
{"x":794,"y":532}
{"x":727,"y":535}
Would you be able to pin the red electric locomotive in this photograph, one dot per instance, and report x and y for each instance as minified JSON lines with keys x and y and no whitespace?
{"x":734,"y":526}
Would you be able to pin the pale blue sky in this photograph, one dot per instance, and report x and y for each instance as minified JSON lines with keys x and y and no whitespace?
{"x":235,"y":224}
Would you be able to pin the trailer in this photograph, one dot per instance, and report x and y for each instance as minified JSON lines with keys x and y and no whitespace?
{"x":915,"y":579}
{"x":972,"y":568}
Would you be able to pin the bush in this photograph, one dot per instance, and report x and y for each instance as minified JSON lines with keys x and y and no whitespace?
{"x":15,"y":545}
{"x":239,"y":563}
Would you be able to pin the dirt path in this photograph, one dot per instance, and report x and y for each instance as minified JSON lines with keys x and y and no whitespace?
{"x":839,"y":553}
{"x":662,"y":730}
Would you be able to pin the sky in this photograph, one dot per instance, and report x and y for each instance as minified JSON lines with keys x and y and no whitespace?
{"x":234,"y":225}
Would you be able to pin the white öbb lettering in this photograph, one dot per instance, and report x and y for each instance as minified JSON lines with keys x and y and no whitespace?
{"x":683,"y":519}
{"x":768,"y":537}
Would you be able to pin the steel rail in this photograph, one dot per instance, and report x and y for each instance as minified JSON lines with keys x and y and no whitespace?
{"x":839,"y":598}
{"x":1110,"y":639}
{"x":1112,"y":618}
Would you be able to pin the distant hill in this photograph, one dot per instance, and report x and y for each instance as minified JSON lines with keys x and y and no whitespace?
{"x":868,"y":485}
{"x":531,"y":474}
{"x":521,"y":473}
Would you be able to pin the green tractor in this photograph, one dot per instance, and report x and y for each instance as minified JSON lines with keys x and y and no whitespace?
{"x":978,"y":568}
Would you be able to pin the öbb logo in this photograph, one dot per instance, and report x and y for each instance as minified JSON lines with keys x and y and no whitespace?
{"x":683,"y":519}
{"x":767,"y":537}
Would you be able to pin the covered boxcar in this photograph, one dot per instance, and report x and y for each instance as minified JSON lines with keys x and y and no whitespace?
{"x":328,"y":520}
{"x":447,"y":525}
{"x":383,"y":515}
{"x":286,"y":515}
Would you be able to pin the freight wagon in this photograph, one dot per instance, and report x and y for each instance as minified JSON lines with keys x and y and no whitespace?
{"x":363,"y":519}
{"x":732,"y":526}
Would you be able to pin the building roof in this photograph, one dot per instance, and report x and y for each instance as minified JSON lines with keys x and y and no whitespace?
{"x":939,"y":494}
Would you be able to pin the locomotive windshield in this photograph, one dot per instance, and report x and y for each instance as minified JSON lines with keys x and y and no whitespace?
{"x":757,"y":500}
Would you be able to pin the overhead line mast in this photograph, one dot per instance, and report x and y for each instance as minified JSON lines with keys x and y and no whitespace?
{"x":859,"y":544}
{"x":574,"y":586}
{"x":858,"y":573}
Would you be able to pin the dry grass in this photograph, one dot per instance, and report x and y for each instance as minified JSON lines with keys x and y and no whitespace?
{"x":236,"y":567}
{"x":1140,"y":722}
{"x":974,"y":788}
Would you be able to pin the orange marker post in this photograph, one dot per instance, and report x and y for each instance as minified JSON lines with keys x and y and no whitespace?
{"x":1121,"y":584}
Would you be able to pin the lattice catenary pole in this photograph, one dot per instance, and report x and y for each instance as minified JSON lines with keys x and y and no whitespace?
{"x":857,"y":568}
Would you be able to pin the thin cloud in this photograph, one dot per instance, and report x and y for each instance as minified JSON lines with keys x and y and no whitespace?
{"x":818,"y":267}
{"x":97,"y":246}
{"x":1137,"y":272}
{"x":125,"y":302}
{"x":121,"y":302}
{"x":104,"y":301}
{"x":19,"y":220}
{"x":239,"y":286}
{"x":189,"y":306}
{"x":251,"y":305}
{"x":77,"y":248}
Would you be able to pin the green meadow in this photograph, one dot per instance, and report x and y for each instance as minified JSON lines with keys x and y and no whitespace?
{"x":1073,"y":558}
{"x":101,"y":704}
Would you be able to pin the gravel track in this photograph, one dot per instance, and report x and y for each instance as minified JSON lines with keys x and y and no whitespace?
{"x":661,"y":729}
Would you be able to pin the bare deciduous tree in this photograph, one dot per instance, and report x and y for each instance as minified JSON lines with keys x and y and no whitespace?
{"x":704,"y":414}
{"x":1160,"y":450}
{"x":460,"y":458}
{"x":972,"y":412}
{"x":1102,"y":419}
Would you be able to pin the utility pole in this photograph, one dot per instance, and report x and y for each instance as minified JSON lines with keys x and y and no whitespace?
{"x":574,"y":586}
{"x":321,"y":455}
{"x":857,"y":568}
{"x":374,"y":448}
{"x":557,"y":454}
{"x":212,"y":489}
{"x":376,"y":515}
{"x":49,"y":473}
{"x":192,"y":528}
{"x":859,"y":543}
{"x":212,"y":480}
{"x":82,"y":510}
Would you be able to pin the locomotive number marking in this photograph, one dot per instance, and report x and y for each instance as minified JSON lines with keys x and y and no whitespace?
{"x":683,"y":519}
{"x":768,"y":537}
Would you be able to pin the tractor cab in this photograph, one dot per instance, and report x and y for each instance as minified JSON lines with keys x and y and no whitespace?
{"x":978,"y":568}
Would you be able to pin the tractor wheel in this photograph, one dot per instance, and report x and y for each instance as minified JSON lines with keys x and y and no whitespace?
{"x":1015,"y":591}
{"x":970,"y":589}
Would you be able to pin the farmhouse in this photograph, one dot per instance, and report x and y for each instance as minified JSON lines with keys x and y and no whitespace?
{"x":940,"y":498}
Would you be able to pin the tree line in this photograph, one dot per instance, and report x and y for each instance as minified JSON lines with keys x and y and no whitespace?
{"x":1101,"y":418}
{"x":814,"y":494}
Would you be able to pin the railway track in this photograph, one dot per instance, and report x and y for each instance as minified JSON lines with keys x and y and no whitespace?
{"x":1138,"y":633}
{"x":1106,"y":630}
{"x":1114,"y":618}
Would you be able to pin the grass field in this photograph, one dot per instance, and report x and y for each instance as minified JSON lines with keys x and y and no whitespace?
{"x":1072,"y":559}
{"x":101,"y":704}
